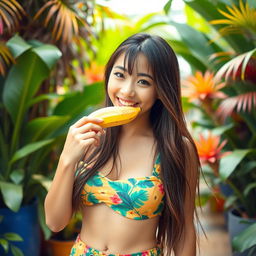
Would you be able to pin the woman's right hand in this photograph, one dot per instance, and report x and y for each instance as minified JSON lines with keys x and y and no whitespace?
{"x":84,"y":133}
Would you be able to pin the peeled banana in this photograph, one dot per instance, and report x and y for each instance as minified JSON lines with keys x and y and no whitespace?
{"x":114,"y":116}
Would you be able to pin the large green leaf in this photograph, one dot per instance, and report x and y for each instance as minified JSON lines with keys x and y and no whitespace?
{"x":23,"y":82}
{"x":49,"y":54}
{"x":77,"y":102}
{"x":181,"y":49}
{"x":46,"y":96}
{"x":29,"y":148}
{"x":229,"y":163}
{"x":199,"y":46}
{"x":221,"y":129}
{"x":12,"y":195}
{"x":245,"y":239}
{"x":17,"y":46}
{"x":17,"y":176}
{"x":42,"y":127}
{"x":196,"y":21}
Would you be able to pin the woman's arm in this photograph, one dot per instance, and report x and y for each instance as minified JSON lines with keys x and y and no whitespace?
{"x":58,"y":202}
{"x":187,"y":243}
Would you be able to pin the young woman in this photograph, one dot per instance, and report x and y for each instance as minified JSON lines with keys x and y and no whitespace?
{"x":136,"y":183}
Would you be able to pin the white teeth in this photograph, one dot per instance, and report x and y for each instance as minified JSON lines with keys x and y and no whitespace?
{"x":126,"y":103}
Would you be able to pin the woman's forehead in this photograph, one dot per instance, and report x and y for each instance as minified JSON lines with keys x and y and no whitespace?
{"x":139,"y":62}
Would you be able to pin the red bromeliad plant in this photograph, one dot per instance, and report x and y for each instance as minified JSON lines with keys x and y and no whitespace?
{"x":203,"y":89}
{"x":209,"y":150}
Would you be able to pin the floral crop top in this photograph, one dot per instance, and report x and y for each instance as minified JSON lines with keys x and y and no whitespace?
{"x":135,"y":198}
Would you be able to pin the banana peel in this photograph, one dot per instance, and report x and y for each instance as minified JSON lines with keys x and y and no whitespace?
{"x":114,"y":116}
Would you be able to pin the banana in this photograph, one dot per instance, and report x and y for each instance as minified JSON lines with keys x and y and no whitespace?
{"x":114,"y":116}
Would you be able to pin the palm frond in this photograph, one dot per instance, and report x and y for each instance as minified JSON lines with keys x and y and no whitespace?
{"x":230,"y":69}
{"x":242,"y":102}
{"x":11,"y":12}
{"x":65,"y":20}
{"x":218,"y":57}
{"x":6,"y":58}
{"x":237,"y":19}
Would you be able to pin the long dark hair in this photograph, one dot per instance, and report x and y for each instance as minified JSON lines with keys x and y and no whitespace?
{"x":169,"y":128}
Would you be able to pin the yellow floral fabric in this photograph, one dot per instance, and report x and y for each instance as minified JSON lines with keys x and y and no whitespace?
{"x":134,"y":198}
{"x":81,"y":249}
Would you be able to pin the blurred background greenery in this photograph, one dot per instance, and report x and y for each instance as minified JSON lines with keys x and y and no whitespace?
{"x":52,"y":57}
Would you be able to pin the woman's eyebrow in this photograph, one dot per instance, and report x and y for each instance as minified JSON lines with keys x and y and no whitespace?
{"x":122,"y":68}
{"x":144,"y":74}
{"x":138,"y":74}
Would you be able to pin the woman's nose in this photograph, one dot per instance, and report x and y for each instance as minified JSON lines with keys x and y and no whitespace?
{"x":128,"y":89}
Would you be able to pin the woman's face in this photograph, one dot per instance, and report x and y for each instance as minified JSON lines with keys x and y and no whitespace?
{"x":137,"y":89}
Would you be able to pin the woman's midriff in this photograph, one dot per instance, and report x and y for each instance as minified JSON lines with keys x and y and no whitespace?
{"x":108,"y":231}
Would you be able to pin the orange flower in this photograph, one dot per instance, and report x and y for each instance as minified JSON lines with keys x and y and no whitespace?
{"x":94,"y":74}
{"x":209,"y":148}
{"x":202,"y":86}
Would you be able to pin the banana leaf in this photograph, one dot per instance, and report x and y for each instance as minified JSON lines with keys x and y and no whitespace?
{"x":200,"y":46}
{"x":24,"y":79}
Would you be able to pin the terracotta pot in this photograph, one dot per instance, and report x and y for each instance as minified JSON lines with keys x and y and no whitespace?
{"x":58,"y":248}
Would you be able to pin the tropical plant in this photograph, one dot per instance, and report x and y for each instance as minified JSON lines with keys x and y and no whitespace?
{"x":18,"y":89}
{"x":25,"y":142}
{"x":70,"y":25}
{"x":220,"y":96}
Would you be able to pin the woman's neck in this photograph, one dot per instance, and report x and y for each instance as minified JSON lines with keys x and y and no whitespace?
{"x":139,"y":127}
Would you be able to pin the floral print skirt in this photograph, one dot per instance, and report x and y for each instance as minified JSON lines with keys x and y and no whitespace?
{"x":81,"y":249}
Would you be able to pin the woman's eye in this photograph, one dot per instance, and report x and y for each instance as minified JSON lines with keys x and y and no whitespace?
{"x":145,"y":82}
{"x":118,"y":74}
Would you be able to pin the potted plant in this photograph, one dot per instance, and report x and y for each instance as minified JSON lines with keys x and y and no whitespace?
{"x":29,"y":130}
{"x":19,"y":137}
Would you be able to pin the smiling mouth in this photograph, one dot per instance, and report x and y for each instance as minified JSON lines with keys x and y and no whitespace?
{"x":126,"y":103}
